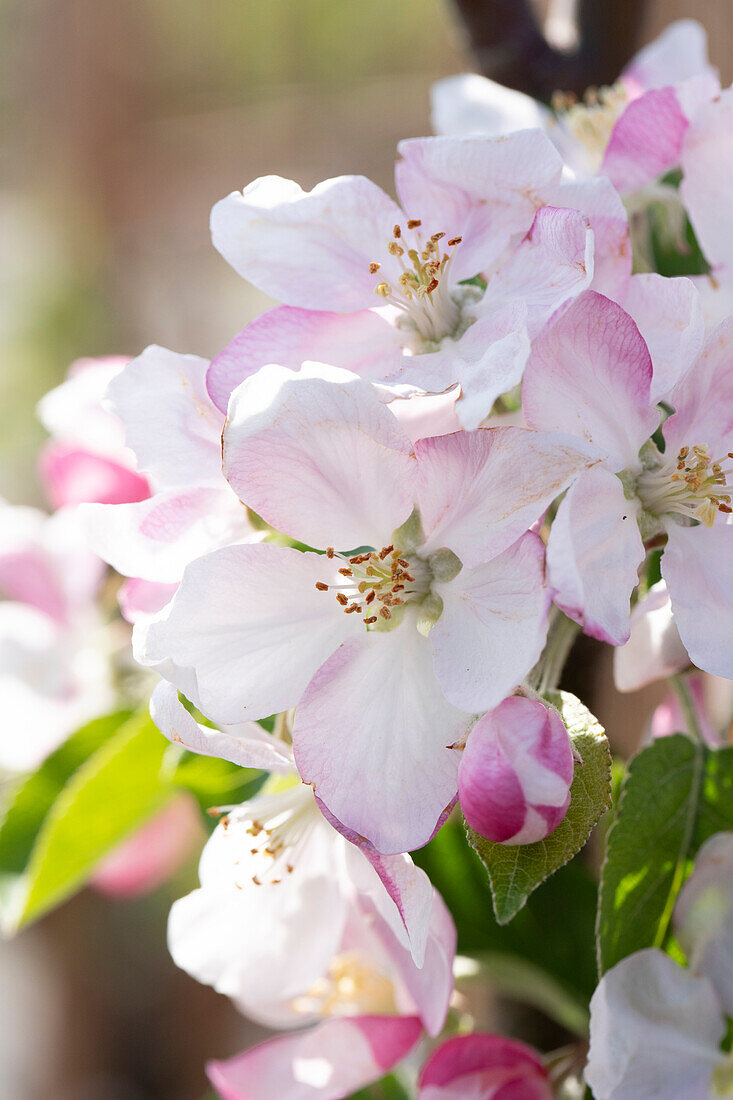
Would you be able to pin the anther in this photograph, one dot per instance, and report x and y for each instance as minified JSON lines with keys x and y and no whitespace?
{"x":397,"y":232}
{"x":346,"y":573}
{"x":370,"y":619}
{"x":330,"y":551}
{"x":385,"y":613}
{"x":341,"y":599}
{"x":414,"y":223}
{"x":374,"y":268}
{"x":385,"y":551}
{"x":454,"y":241}
{"x":321,"y":586}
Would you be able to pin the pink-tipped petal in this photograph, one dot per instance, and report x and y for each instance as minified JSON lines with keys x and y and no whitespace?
{"x":139,"y":599}
{"x":593,"y":555}
{"x":328,"y":1062}
{"x":72,"y":476}
{"x":590,"y":375}
{"x":479,"y":491}
{"x":362,"y":342}
{"x":646,"y":141}
{"x":492,"y":627}
{"x":489,"y":1067}
{"x":515,"y":774}
{"x":373,"y":733}
{"x":310,"y":249}
{"x":319,"y":457}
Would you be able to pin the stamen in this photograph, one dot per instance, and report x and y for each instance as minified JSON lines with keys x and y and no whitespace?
{"x":692,"y":485}
{"x":378,"y":576}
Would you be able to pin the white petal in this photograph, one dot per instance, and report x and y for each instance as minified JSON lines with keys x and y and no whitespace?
{"x":493,"y":626}
{"x":251,"y":626}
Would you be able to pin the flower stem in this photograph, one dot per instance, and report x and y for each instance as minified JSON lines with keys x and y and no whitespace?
{"x":562,"y":632}
{"x":687,"y":706}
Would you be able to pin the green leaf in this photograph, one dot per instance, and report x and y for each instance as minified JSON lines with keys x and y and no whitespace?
{"x":553,"y":933}
{"x":675,"y":795}
{"x":115,"y":790}
{"x":215,"y":782}
{"x":31,"y":800}
{"x":516,"y":870}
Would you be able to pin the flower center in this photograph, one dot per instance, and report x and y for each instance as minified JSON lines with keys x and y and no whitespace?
{"x":692,"y":485}
{"x":422,"y":293}
{"x":352,"y":986}
{"x":279,"y":826}
{"x":375,"y":583}
{"x":591,"y":121}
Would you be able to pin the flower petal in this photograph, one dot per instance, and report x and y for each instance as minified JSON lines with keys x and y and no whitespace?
{"x":246,"y":743}
{"x":250,"y":623}
{"x":170,"y":421}
{"x":703,"y":916}
{"x":309,"y":248}
{"x":362,"y":342}
{"x":319,"y":457}
{"x":678,"y":53}
{"x":669,"y":317}
{"x":697,"y":565}
{"x":654,"y":649}
{"x":73,"y":476}
{"x":471,"y":104}
{"x":654,"y":1031}
{"x":484,"y":1065}
{"x":646,"y":141}
{"x":479,"y":491}
{"x":515,"y":774}
{"x":703,"y":400}
{"x":493,"y":626}
{"x":156,"y":538}
{"x":593,"y":555}
{"x":373,"y":734}
{"x":293,"y":927}
{"x":553,"y":264}
{"x":707,"y":162}
{"x":589,"y":375}
{"x":482,"y":189}
{"x":328,"y":1062}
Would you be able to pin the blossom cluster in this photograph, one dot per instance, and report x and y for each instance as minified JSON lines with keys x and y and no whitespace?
{"x":353,"y":542}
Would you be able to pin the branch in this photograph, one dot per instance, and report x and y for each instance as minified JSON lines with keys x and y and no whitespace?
{"x":509,"y":46}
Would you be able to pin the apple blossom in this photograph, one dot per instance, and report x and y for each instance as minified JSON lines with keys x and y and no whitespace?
{"x":387,"y":649}
{"x":411,"y":311}
{"x":655,"y":1031}
{"x":331,"y":929}
{"x":54,"y":657}
{"x":174,"y":432}
{"x":515,"y":772}
{"x":654,"y":649}
{"x":633,"y":132}
{"x":591,"y":374}
{"x":86,"y":458}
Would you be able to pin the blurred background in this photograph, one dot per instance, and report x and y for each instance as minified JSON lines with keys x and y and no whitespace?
{"x":124,"y":121}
